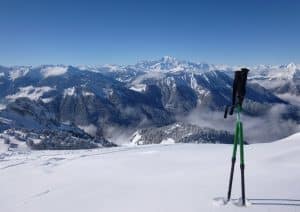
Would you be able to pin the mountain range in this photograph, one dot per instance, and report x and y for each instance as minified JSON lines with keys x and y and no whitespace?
{"x":97,"y":102}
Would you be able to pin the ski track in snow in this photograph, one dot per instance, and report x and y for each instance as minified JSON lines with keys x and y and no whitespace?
{"x":154,"y":178}
{"x":41,"y":194}
{"x":12,"y":165}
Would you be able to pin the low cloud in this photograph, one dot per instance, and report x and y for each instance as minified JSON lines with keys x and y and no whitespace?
{"x":292,"y":99}
{"x":269,"y":127}
{"x":118,"y":135}
{"x":266,"y":128}
{"x":89,"y":129}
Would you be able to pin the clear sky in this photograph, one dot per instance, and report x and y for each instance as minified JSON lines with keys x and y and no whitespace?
{"x":122,"y":32}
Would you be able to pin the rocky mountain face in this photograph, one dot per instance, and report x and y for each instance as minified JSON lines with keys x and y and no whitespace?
{"x":148,"y":95}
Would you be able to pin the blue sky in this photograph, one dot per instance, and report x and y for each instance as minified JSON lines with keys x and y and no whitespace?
{"x":122,"y":32}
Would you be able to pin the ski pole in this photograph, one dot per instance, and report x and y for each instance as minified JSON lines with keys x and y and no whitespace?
{"x":242,"y":160}
{"x":233,"y":159}
{"x":239,"y":91}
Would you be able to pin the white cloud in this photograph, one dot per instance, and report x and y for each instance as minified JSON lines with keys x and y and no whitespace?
{"x":268,"y":127}
{"x":89,"y":129}
{"x":53,"y":71}
{"x":138,"y":87}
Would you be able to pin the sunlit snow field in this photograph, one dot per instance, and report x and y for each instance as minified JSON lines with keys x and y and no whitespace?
{"x":154,"y":178}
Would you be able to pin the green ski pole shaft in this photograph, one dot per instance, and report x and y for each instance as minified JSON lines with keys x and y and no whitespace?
{"x":242,"y":164}
{"x":233,"y":159}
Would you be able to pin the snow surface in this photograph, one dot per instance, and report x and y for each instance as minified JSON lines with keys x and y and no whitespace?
{"x":2,"y":106}
{"x":30,"y":92}
{"x":87,"y":93}
{"x":19,"y":145}
{"x":17,"y":73}
{"x":136,"y":138}
{"x":69,"y":92}
{"x":154,"y":178}
{"x":168,"y":141}
{"x":139,"y":87}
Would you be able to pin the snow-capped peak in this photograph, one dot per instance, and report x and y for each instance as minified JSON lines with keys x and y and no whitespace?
{"x":291,"y":67}
{"x":172,"y":64}
{"x":169,"y":59}
{"x":289,"y":71}
{"x":18,"y":72}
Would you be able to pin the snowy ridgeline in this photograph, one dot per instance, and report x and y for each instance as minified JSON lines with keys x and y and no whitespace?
{"x":176,"y":178}
{"x":180,"y":133}
{"x":22,"y":139}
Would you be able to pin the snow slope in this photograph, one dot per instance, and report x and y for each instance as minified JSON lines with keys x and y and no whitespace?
{"x":155,"y":178}
{"x":30,"y":92}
